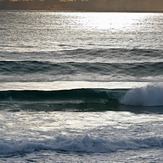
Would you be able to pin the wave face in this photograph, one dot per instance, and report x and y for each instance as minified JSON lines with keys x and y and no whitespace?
{"x":63,"y":100}
{"x":77,"y":94}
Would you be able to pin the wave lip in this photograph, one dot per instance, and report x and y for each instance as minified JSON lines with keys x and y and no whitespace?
{"x":146,"y":96}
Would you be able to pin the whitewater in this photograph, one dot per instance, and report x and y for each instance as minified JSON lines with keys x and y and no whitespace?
{"x":81,"y":87}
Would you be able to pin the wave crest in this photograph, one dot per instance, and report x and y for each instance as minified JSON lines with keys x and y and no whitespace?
{"x":147,"y":96}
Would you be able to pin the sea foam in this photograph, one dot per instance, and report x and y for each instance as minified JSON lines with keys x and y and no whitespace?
{"x":84,"y":144}
{"x":145,"y":96}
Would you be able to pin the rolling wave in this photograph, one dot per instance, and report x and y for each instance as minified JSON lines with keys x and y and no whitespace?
{"x":146,"y":99}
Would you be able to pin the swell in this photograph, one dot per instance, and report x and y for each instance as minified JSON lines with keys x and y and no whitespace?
{"x":72,"y":68}
{"x":107,"y":55}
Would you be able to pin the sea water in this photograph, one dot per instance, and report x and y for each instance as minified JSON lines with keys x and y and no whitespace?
{"x":81,"y":87}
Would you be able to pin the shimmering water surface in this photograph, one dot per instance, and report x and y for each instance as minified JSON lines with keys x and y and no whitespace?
{"x":81,"y":87}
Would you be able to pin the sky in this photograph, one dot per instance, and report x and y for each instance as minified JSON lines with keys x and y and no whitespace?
{"x":84,"y":5}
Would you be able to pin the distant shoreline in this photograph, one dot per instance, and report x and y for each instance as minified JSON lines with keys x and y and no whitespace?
{"x":129,"y":11}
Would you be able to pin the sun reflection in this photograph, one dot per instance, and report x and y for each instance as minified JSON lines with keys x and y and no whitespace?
{"x":109,"y":21}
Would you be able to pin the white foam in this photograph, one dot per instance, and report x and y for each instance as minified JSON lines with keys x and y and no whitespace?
{"x":145,"y":96}
{"x":67,"y":85}
{"x":86,"y":144}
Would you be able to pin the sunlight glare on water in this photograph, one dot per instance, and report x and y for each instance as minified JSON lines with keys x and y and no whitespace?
{"x":111,"y":21}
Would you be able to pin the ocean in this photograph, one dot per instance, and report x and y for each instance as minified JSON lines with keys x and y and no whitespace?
{"x":81,"y":87}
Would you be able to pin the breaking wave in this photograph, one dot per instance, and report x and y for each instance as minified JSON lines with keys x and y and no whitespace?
{"x":147,"y":96}
{"x":84,"y":144}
